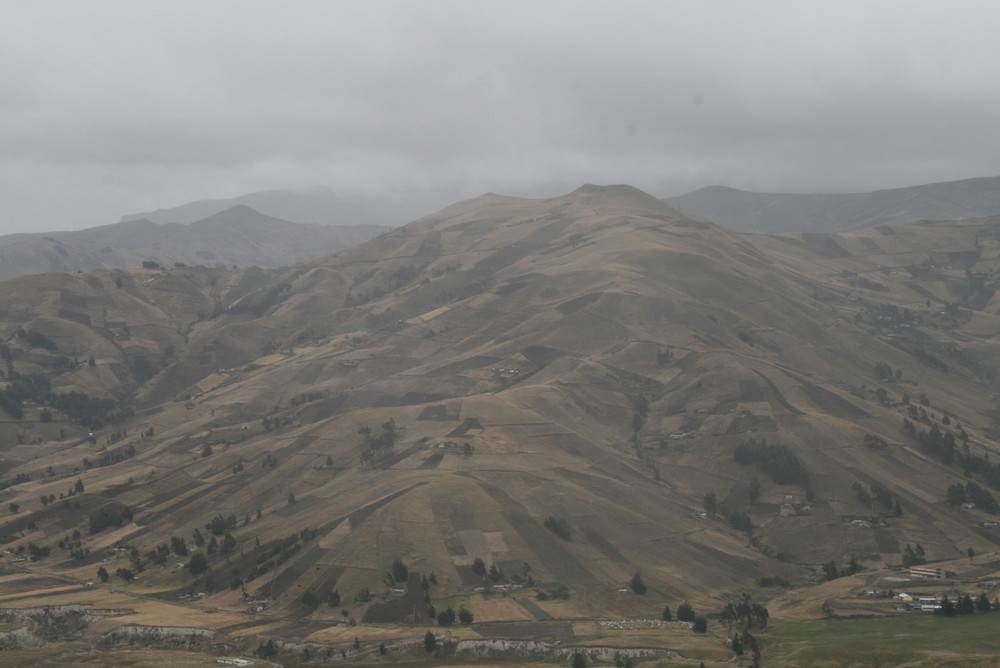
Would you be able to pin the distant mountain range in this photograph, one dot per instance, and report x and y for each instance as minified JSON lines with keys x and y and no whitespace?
{"x":238,"y":235}
{"x":320,"y":207}
{"x":776,"y":213}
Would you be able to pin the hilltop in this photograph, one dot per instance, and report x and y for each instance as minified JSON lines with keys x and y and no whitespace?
{"x":237,"y":235}
{"x":776,"y":213}
{"x":572,"y":390}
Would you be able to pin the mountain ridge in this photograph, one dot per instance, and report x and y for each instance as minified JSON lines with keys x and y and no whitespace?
{"x":680,"y":400}
{"x":777,"y":213}
{"x":238,"y":235}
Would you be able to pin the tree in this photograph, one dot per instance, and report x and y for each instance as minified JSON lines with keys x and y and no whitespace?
{"x":446,"y":617}
{"x":125,"y":574}
{"x":559,"y":527}
{"x":666,"y":614}
{"x":478,"y":567}
{"x":983,"y":603}
{"x":637,"y":585}
{"x":268,"y":651}
{"x":754,"y":490}
{"x":291,"y":498}
{"x":206,"y":450}
{"x":853,"y":566}
{"x":830,"y":571}
{"x":947,"y":607}
{"x":971,"y":553}
{"x":400,"y":573}
{"x":744,"y":614}
{"x":685,"y":613}
{"x":78,"y":487}
{"x":430,"y":642}
{"x":309,"y":599}
{"x":956,"y":494}
{"x":700,"y":625}
{"x":13,"y":508}
{"x":464,"y":616}
{"x":178,"y":546}
{"x":579,"y":660}
{"x":102,"y":573}
{"x":333,"y":598}
{"x":198,"y":563}
{"x":914,"y":556}
{"x":711,"y":504}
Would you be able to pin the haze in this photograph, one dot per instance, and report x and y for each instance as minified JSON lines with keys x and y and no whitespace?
{"x":107,"y":108}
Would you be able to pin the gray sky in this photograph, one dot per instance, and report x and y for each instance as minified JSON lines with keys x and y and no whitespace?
{"x":108,"y":108}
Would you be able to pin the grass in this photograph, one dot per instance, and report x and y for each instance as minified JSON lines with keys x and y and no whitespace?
{"x":882,"y":641}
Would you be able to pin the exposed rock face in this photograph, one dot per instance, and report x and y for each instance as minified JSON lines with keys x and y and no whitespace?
{"x":42,"y":625}
{"x":187,"y":637}
{"x":537,"y":649}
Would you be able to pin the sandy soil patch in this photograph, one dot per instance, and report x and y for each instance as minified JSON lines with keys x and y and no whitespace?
{"x":336,"y":535}
{"x":430,"y":315}
{"x":497,"y":610}
{"x":494,"y":541}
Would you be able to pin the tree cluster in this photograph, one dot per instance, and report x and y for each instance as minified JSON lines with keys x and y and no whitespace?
{"x":111,"y":515}
{"x":559,"y":527}
{"x":776,"y":460}
{"x":914,"y":556}
{"x":964,"y":605}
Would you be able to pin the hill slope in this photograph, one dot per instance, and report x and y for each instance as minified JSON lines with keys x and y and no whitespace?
{"x":238,"y":235}
{"x":320,"y":207}
{"x":572,"y":390}
{"x":774,"y":213}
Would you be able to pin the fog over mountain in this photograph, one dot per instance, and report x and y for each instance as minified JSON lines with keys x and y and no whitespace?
{"x":315,"y":350}
{"x":236,"y":235}
{"x":775,"y":213}
{"x":376,"y":100}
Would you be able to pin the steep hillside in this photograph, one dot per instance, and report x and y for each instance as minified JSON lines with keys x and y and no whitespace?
{"x":547,"y":395}
{"x":238,"y":235}
{"x":774,"y":213}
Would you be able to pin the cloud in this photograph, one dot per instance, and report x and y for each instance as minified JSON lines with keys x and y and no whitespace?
{"x":110,"y":107}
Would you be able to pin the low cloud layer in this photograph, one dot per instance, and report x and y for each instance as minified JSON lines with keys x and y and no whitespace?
{"x":112,"y":107}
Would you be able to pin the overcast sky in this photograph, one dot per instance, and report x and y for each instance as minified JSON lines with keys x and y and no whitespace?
{"x":108,"y":108}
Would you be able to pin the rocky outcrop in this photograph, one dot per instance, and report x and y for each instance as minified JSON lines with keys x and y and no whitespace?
{"x":43,"y":625}
{"x":537,"y":649}
{"x":173,"y":637}
{"x":21,"y":638}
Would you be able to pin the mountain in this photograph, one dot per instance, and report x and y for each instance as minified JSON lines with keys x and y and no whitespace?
{"x":238,"y":235}
{"x":319,"y":207}
{"x":574,"y":399}
{"x":773,"y":213}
